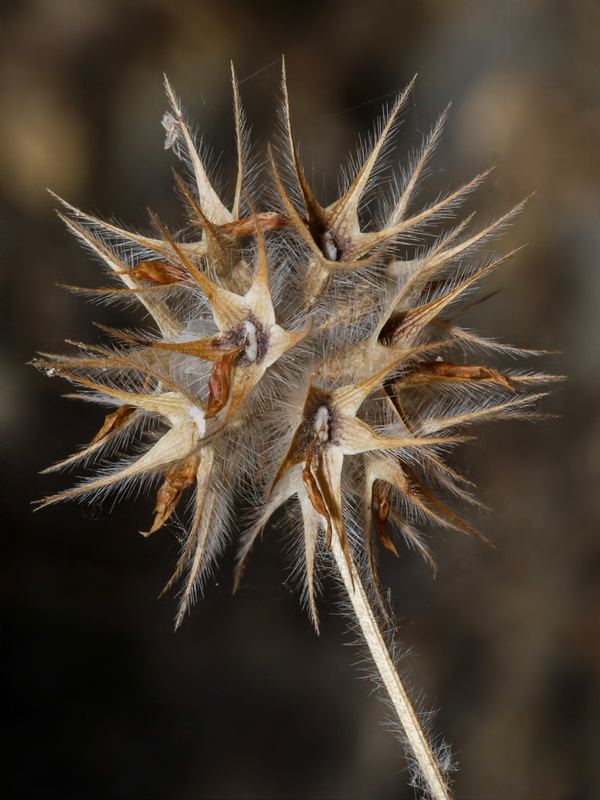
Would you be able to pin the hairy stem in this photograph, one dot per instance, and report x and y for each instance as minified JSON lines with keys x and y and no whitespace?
{"x":407,"y":716}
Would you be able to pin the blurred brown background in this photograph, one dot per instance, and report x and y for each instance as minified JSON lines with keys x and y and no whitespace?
{"x":101,"y":699}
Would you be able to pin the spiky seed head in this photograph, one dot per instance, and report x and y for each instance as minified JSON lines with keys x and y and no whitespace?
{"x":302,"y":356}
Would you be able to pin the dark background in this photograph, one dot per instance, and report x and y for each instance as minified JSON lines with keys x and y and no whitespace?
{"x":101,"y":699}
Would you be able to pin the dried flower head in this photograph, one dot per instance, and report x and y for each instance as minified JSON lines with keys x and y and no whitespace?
{"x":305,"y":358}
{"x":299,"y":355}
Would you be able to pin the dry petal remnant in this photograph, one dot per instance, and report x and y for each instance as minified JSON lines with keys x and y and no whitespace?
{"x":302,"y":350}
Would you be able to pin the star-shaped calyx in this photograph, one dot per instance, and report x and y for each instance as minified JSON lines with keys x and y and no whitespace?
{"x":333,"y":233}
{"x":249,"y":340}
{"x":221,"y":229}
{"x":329,"y":431}
{"x":176,"y":453}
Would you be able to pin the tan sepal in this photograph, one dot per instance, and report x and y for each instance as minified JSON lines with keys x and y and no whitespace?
{"x":416,"y":489}
{"x":223,"y":252}
{"x":438,"y":471}
{"x":116,"y":292}
{"x":166,"y":403}
{"x":96,"y":444}
{"x":169,"y":494}
{"x":281,"y":341}
{"x":365,"y":242}
{"x":446,"y":325}
{"x":258,"y":296}
{"x":203,"y":478}
{"x":201,"y":528}
{"x":402,"y":327}
{"x":416,"y":272}
{"x":238,"y":114}
{"x":399,"y":211}
{"x":413,"y":535}
{"x":491,"y":412}
{"x":316,"y":213}
{"x":309,"y":236}
{"x":446,"y":251}
{"x":312,"y":527}
{"x":161,"y":314}
{"x":63,"y":365}
{"x":348,"y":399}
{"x":175,"y":444}
{"x":363,"y":357}
{"x":358,"y":437}
{"x":144,"y":241}
{"x":209,"y":349}
{"x":342,"y":216}
{"x":226,"y":306}
{"x":281,"y":495}
{"x":311,"y":524}
{"x":178,"y":132}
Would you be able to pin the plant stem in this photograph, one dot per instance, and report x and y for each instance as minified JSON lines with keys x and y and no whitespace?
{"x":407,"y":716}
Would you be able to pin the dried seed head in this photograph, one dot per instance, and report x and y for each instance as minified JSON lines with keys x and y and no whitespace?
{"x":339,"y":390}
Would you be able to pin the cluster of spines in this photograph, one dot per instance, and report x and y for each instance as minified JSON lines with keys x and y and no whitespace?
{"x":298,"y":356}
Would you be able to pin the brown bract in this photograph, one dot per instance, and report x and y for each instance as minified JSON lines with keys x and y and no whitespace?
{"x":159,"y":272}
{"x":176,"y":480}
{"x":113,"y":422}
